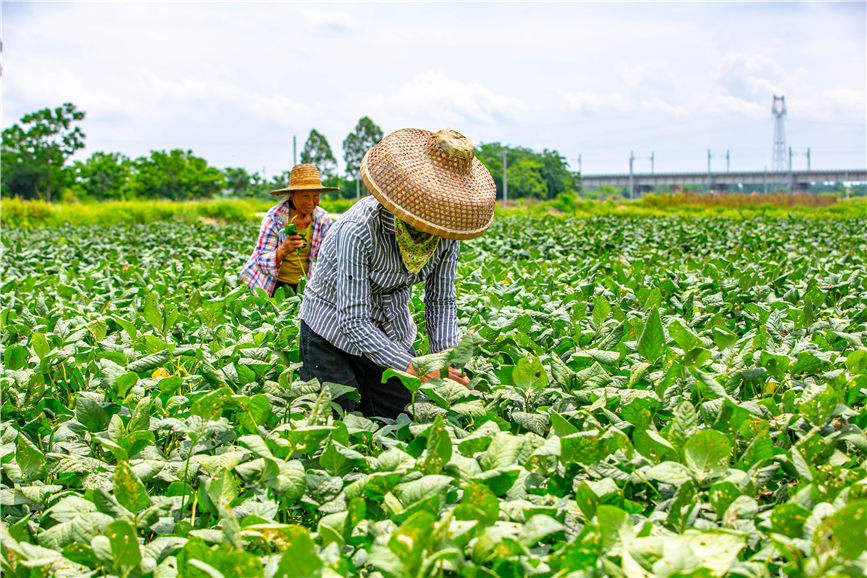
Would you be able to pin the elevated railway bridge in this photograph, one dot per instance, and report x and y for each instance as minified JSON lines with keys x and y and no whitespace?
{"x":746,"y":181}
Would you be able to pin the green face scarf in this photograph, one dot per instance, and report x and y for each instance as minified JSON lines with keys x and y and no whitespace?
{"x":416,"y":247}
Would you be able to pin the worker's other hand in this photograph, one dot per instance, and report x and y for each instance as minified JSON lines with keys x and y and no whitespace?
{"x":454,"y":374}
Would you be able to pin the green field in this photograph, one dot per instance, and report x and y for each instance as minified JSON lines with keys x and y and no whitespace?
{"x":649,"y":397}
{"x":16,"y":213}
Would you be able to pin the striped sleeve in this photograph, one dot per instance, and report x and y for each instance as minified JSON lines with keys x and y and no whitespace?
{"x":440,"y":306}
{"x":353,"y":305}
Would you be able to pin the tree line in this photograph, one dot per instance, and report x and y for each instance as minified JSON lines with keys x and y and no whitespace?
{"x":36,"y":164}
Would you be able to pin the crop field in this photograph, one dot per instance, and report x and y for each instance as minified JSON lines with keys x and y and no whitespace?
{"x":649,"y":397}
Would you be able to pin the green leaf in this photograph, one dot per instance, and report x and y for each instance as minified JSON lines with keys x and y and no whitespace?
{"x":652,"y":341}
{"x":29,"y":458}
{"x":707,"y":453}
{"x":197,"y":560}
{"x":124,"y":544}
{"x":97,"y":329}
{"x":128,"y":489}
{"x":15,"y":357}
{"x":91,"y":414}
{"x":844,"y":533}
{"x":438,"y":451}
{"x":151,"y":310}
{"x":856,"y":362}
{"x":529,"y":374}
{"x":670,"y":473}
{"x":478,"y":503}
{"x":40,"y":344}
{"x":601,"y":309}
{"x":538,"y":527}
{"x":300,"y":559}
{"x":150,"y":362}
{"x":788,"y":519}
{"x":410,"y":540}
{"x":683,"y":336}
{"x":409,"y":381}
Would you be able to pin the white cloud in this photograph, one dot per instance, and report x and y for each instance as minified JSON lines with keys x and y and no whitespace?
{"x":329,"y":20}
{"x":434,"y":99}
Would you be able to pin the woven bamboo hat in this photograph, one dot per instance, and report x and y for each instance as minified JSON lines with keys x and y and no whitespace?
{"x":304,"y":177}
{"x":432,"y":181}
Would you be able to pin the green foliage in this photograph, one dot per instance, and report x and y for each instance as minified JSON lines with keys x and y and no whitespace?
{"x":365,"y":134}
{"x":103,"y":176}
{"x":175,"y":175}
{"x":535,"y":175}
{"x":34,"y":152}
{"x":317,"y":151}
{"x":648,"y":397}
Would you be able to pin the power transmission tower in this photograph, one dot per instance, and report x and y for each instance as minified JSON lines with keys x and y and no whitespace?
{"x":651,"y":162}
{"x":294,"y":151}
{"x":728,"y":160}
{"x":631,"y":179}
{"x":778,"y":108}
{"x":579,"y":163}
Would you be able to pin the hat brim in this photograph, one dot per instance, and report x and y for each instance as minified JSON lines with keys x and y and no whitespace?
{"x":414,"y":220}
{"x":313,"y":189}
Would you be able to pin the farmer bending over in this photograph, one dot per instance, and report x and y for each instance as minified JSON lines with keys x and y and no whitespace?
{"x":428,"y":191}
{"x":280,"y":260}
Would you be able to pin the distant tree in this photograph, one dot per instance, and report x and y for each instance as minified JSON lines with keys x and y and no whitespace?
{"x":525,"y":179}
{"x":491,"y":155}
{"x":238,"y":181}
{"x":365,"y":135}
{"x":176,"y":175}
{"x":318,"y":152}
{"x":541,"y":175}
{"x":104,"y":176}
{"x":557,"y":177}
{"x":34,"y":153}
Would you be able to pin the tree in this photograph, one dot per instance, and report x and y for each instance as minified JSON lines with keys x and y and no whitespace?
{"x":558,"y":179}
{"x":317,"y":151}
{"x":238,"y":181}
{"x":542,"y":175}
{"x":356,"y":143}
{"x":34,"y":153}
{"x":176,"y":175}
{"x":104,"y":176}
{"x":525,"y":178}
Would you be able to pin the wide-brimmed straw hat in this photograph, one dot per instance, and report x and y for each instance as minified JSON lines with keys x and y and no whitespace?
{"x":432,"y":181}
{"x":304,"y":177}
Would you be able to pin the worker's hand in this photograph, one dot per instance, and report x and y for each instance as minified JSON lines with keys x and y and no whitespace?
{"x":289,"y":245}
{"x":454,"y":374}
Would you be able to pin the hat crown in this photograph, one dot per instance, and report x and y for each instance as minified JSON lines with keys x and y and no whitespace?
{"x":303,"y":175}
{"x":458,"y":147}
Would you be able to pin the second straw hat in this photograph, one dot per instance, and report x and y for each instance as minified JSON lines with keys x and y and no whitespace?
{"x":433,"y":181}
{"x":304,"y":177}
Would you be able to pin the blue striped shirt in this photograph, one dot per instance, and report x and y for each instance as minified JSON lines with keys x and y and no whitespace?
{"x":359,"y":298}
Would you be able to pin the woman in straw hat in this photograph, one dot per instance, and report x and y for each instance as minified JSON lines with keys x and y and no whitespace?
{"x":428,"y":192}
{"x":279,"y":260}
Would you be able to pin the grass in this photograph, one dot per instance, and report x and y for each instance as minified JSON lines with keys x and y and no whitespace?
{"x":18,"y":213}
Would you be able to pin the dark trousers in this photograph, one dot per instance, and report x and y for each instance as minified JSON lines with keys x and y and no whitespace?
{"x":320,"y":359}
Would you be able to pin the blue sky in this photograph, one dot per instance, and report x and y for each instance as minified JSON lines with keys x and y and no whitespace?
{"x":233,"y":82}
